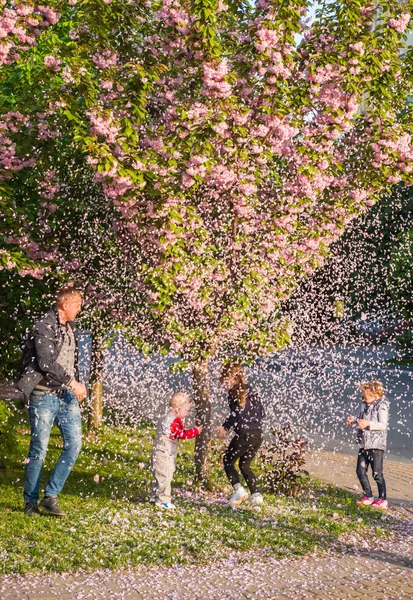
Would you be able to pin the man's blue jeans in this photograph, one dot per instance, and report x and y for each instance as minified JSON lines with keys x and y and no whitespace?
{"x":46,"y":408}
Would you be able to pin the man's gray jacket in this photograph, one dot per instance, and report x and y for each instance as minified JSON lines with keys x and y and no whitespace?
{"x":42,"y":347}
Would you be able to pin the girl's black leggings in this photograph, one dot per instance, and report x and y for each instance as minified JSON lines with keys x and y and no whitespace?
{"x":244,"y":446}
{"x":374,"y":458}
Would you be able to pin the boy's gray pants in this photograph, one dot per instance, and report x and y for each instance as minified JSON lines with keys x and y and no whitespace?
{"x":163,"y":468}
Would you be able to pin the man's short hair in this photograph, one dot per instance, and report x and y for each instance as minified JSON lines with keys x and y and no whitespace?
{"x":66,"y":293}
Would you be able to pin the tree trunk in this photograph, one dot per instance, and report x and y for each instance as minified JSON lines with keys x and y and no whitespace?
{"x":96,"y":386}
{"x":203,"y":417}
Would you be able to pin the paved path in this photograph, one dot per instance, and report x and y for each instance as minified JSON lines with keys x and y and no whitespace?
{"x":360,"y":573}
{"x":365,"y":576}
{"x":340,"y":469}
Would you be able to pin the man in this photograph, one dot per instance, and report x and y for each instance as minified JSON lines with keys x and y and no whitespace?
{"x":49,"y":378}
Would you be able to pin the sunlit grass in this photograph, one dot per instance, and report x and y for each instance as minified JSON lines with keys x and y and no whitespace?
{"x":110,"y":524}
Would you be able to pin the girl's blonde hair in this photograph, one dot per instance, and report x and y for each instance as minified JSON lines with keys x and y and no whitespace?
{"x":236,"y":372}
{"x":376,"y":387}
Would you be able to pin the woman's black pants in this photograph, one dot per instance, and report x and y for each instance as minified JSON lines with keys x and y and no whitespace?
{"x":244,"y":446}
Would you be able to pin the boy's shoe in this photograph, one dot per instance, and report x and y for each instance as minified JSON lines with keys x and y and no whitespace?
{"x":255,"y":500}
{"x":31,"y":509}
{"x":51,"y":505}
{"x":238,"y":496}
{"x":365,"y":501}
{"x":380,"y":503}
{"x":165,"y":505}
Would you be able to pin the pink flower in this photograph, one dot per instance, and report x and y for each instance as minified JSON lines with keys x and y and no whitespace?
{"x":37,"y":273}
{"x":96,"y":478}
{"x":215,"y":85}
{"x":49,"y":14}
{"x":187,"y":180}
{"x":222,"y":176}
{"x":248,"y":189}
{"x":24,"y":10}
{"x":101,"y":126}
{"x":105,"y":60}
{"x":400,"y":24}
{"x":358,"y":47}
{"x":268,"y":38}
{"x":52,"y":62}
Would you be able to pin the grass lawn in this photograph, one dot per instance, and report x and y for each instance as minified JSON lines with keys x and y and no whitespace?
{"x":110,"y":524}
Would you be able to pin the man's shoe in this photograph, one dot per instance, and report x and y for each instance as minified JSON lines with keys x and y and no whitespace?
{"x":51,"y":505}
{"x":381,"y":504}
{"x":238,"y":496}
{"x":365,"y":501}
{"x":31,"y":509}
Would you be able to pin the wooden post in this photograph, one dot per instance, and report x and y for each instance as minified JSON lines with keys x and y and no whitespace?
{"x":96,"y":386}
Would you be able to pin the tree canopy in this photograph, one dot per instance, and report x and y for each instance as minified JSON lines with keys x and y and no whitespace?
{"x":233,"y":143}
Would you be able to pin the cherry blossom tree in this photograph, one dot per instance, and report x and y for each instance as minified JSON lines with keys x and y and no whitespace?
{"x":234,"y":142}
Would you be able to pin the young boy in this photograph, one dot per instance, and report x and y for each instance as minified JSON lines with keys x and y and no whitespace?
{"x":170,"y":430}
{"x":372,"y":422}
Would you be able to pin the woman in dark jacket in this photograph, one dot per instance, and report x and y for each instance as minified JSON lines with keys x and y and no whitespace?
{"x":246,"y":419}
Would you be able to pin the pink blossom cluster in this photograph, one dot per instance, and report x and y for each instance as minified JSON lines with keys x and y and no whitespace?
{"x":22,"y":22}
{"x":117,"y":188}
{"x":103,"y":126}
{"x":400,"y":24}
{"x":52,"y":62}
{"x":48,"y":186}
{"x":9,"y":159}
{"x":196,"y":166}
{"x":105,"y":59}
{"x":368,"y":10}
{"x":49,"y":14}
{"x":215,"y":85}
{"x":334,"y":97}
{"x":33,"y":249}
{"x":36,"y":272}
{"x":172,"y":15}
{"x":280,"y":135}
{"x":222,"y":177}
{"x":276,"y":67}
{"x":325,"y":73}
{"x":248,"y":189}
{"x":241,"y":118}
{"x":198,"y":112}
{"x":268,"y":38}
{"x":358,"y":194}
{"x":358,"y":47}
{"x":396,"y":150}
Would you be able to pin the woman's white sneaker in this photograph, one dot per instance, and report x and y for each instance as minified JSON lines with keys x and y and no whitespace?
{"x":238,"y":496}
{"x":255,"y":499}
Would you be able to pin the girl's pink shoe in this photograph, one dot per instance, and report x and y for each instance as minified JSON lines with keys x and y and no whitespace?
{"x":365,"y":501}
{"x":380,"y":503}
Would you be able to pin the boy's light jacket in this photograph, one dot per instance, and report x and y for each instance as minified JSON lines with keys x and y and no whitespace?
{"x":170,"y":430}
{"x":374,"y":437}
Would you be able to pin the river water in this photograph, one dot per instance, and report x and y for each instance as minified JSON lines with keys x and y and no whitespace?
{"x":314,"y":389}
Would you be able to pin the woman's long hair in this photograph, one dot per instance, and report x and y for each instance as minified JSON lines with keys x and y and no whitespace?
{"x":239,"y":388}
